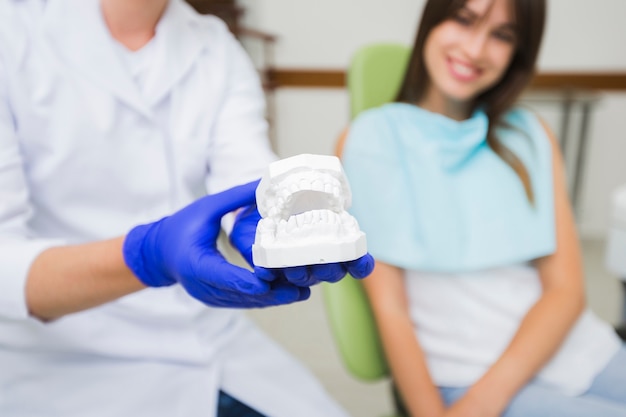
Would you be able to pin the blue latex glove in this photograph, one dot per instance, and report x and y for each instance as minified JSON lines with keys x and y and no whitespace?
{"x":182,"y":248}
{"x":242,"y":238}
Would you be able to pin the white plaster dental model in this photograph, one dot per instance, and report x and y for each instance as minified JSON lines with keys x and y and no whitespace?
{"x":303,"y":202}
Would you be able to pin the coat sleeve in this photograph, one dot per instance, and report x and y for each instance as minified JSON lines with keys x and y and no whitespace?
{"x":240,"y":150}
{"x":18,"y":246}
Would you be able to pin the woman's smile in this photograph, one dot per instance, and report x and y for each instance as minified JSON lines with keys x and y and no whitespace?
{"x":462,"y":70}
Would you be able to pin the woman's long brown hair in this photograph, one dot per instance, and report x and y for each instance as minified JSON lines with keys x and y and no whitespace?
{"x":529,"y":23}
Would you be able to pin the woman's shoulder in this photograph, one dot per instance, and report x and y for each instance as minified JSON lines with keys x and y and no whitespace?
{"x":521,"y":121}
{"x":374,"y":115}
{"x":528,"y":137}
{"x":523,"y":118}
{"x":372,"y":129}
{"x":386,"y":116}
{"x":370,"y":120}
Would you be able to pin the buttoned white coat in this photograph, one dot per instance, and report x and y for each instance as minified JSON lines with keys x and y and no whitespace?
{"x":84,"y":155}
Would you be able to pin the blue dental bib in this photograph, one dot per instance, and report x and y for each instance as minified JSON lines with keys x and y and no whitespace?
{"x":431,"y":195}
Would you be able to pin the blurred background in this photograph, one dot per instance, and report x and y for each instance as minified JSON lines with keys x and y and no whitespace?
{"x":302,"y":50}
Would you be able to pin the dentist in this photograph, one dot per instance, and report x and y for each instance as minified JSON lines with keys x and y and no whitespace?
{"x":117,"y":118}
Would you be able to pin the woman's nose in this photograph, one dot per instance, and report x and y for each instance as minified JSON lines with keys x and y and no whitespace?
{"x":474,"y":43}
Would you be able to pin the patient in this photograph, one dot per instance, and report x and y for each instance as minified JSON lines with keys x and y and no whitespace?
{"x":478,"y":291}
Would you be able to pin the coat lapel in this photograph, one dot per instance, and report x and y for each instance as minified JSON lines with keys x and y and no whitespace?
{"x":180,"y":40}
{"x":79,"y":36}
{"x":77,"y":31}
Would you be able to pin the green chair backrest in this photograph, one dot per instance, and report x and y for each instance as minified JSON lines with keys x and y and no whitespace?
{"x":374,"y":77}
{"x":354,"y":330}
{"x":375,"y":74}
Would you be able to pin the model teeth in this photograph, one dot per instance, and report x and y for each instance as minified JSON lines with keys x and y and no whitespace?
{"x":302,"y":201}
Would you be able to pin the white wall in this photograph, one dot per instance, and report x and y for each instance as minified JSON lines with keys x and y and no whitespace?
{"x":586,"y":35}
{"x":324,"y":33}
{"x":582,"y":35}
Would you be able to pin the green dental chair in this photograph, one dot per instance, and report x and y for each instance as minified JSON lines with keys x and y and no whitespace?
{"x":373,"y":78}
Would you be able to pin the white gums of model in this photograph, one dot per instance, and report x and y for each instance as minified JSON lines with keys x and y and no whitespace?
{"x":302,"y":201}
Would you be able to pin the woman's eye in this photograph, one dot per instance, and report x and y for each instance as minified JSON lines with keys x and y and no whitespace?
{"x":505,"y":36}
{"x":462,"y":19}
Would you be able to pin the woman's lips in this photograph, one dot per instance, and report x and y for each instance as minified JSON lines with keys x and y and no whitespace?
{"x":462,"y":71}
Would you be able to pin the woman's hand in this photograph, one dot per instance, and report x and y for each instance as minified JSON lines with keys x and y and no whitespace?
{"x":476,"y":404}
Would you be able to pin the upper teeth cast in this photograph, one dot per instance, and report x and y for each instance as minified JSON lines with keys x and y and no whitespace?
{"x":309,"y":188}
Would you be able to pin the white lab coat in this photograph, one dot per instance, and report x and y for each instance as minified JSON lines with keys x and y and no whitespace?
{"x":85,"y":156}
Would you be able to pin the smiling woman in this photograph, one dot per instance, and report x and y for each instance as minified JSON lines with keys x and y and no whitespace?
{"x":478,"y":288}
{"x":468,"y":53}
{"x":476,"y":52}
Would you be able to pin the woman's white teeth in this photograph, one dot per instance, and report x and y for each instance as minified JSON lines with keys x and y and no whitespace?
{"x":463,"y":69}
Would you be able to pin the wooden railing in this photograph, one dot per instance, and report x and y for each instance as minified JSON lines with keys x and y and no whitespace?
{"x":316,"y":78}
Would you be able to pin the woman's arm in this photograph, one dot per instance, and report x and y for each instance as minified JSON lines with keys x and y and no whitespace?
{"x":548,"y":322}
{"x":387,"y":294}
{"x":68,"y":279}
{"x":341,"y":142}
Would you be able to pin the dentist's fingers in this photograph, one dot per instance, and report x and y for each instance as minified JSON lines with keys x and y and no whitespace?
{"x":362,"y":267}
{"x":327,"y":272}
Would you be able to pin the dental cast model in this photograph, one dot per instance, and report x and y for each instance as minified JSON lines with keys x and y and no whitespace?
{"x":303,"y":202}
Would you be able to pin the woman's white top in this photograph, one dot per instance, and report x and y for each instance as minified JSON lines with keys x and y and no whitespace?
{"x":85,"y":154}
{"x":465,"y":321}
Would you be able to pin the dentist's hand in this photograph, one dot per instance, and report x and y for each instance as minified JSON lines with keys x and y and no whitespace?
{"x":182,"y":248}
{"x":242,"y":238}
